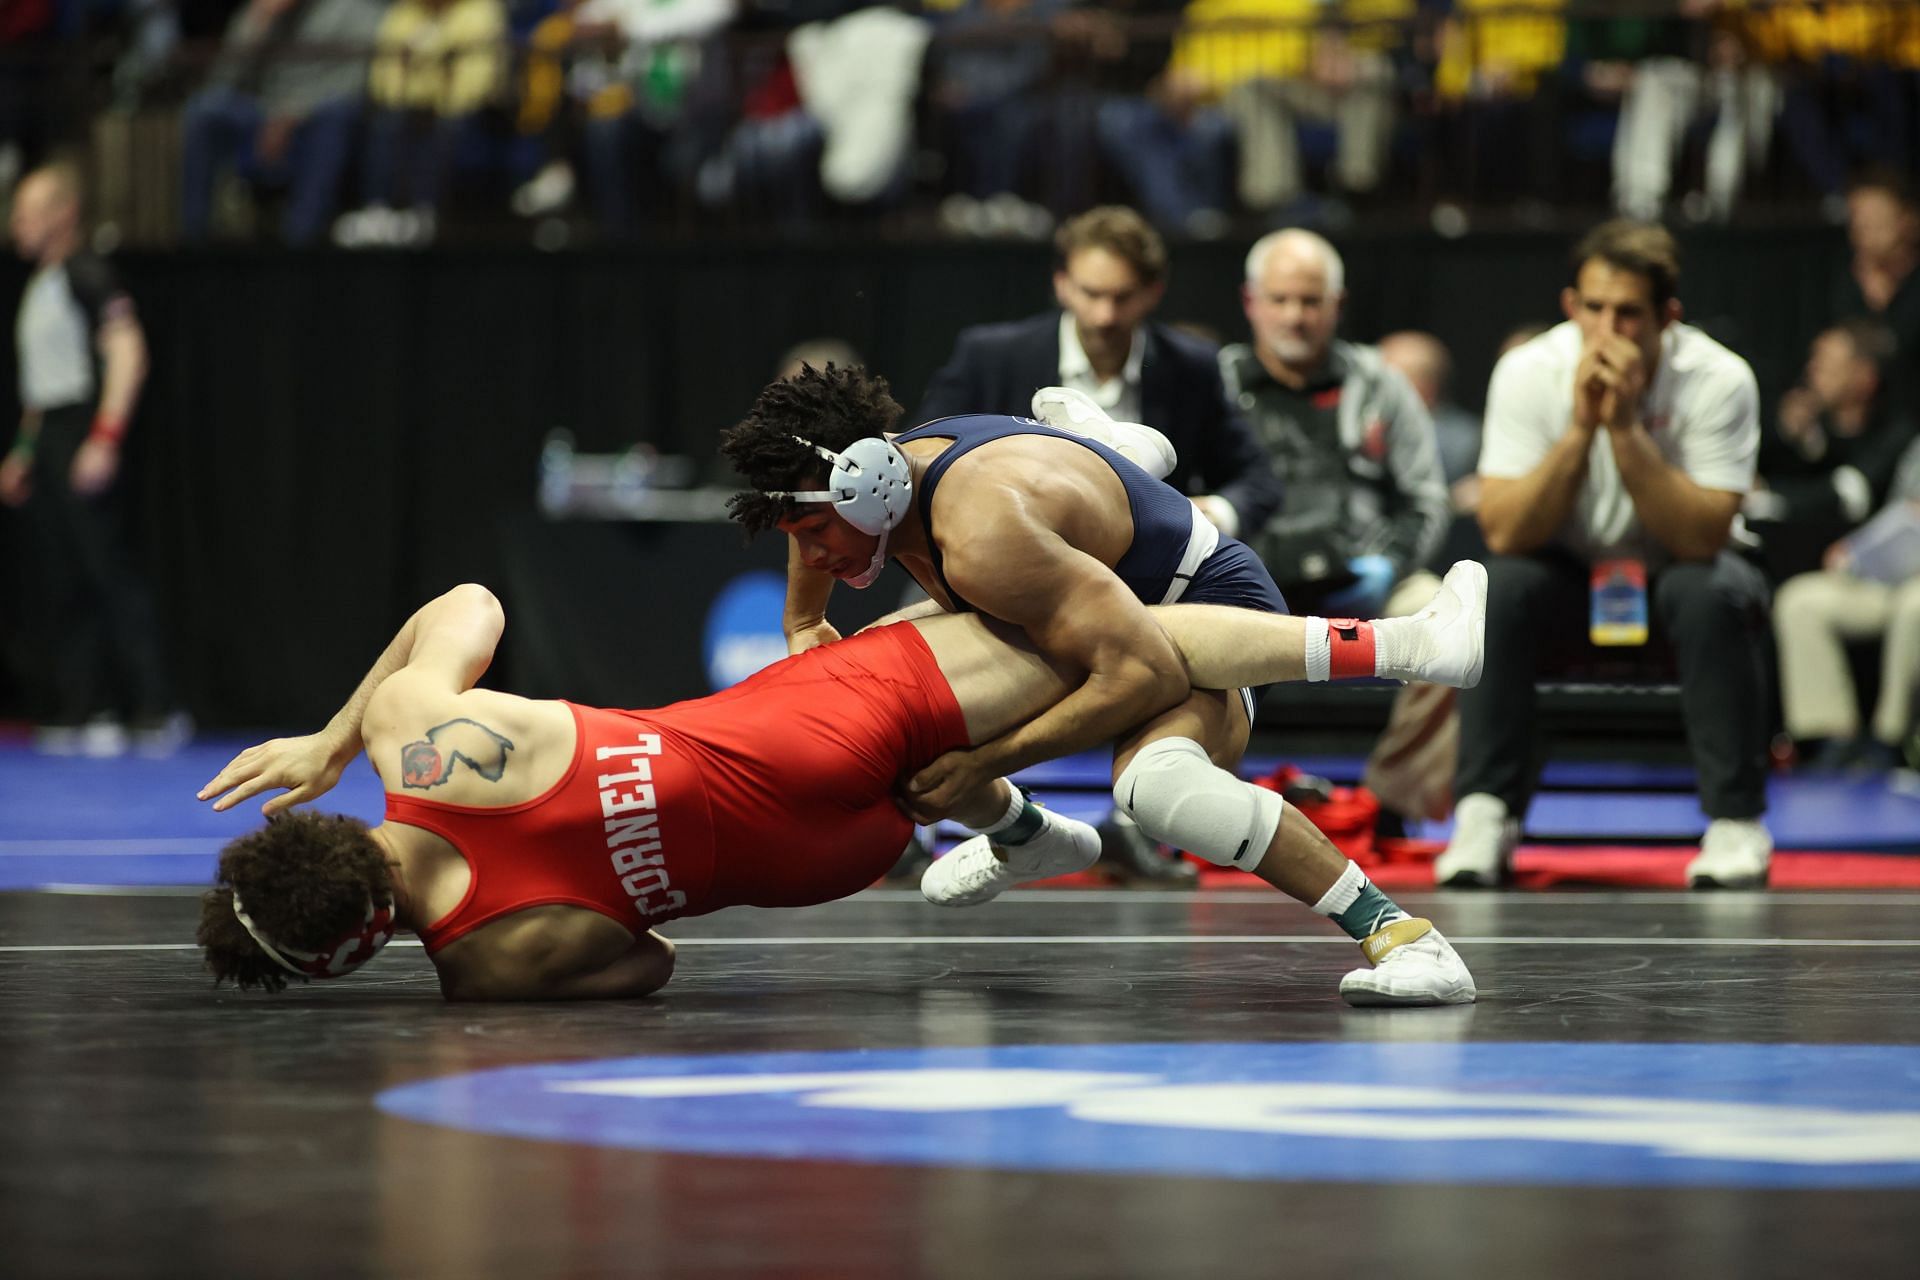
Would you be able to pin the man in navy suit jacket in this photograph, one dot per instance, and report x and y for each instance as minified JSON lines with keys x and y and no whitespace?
{"x":1110,"y":277}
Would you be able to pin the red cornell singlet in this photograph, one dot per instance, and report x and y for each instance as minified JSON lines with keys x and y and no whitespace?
{"x":625,"y":832}
{"x":778,"y":792}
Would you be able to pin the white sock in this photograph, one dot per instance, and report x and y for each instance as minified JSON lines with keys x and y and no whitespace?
{"x":1015,"y":804}
{"x":1392,"y":645}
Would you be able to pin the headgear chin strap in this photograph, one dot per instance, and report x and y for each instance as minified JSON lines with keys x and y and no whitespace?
{"x":866,"y":576}
{"x":870,"y":486}
{"x":340,"y":957}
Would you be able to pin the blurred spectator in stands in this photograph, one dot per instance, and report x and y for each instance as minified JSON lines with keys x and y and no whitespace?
{"x":1615,"y":452}
{"x":1666,"y":73}
{"x":619,"y":75}
{"x":1847,"y":97}
{"x":1836,"y":438}
{"x":1425,"y":362}
{"x":859,"y":76}
{"x":987,"y":85}
{"x":1869,"y":588}
{"x":437,"y":65}
{"x":151,"y":34}
{"x":1174,"y":146}
{"x":1364,"y":502}
{"x":1251,"y":72}
{"x":764,"y":160}
{"x":277,"y":114}
{"x":1109,"y":276}
{"x":83,"y":358}
{"x":1882,"y":278}
{"x":831,"y":119}
{"x":1498,"y":85}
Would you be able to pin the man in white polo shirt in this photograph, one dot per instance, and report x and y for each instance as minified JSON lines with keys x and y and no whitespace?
{"x":1617,"y":448}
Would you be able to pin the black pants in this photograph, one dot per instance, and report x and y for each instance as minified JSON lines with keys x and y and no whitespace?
{"x":102,"y":650}
{"x":1713,"y":617}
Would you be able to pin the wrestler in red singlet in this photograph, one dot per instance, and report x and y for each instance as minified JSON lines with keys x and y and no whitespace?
{"x":777,"y":792}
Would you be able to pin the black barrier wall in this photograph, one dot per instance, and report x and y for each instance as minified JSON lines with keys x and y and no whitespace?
{"x":328,"y":439}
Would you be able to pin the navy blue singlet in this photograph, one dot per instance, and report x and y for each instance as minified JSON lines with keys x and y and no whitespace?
{"x":1162,"y":526}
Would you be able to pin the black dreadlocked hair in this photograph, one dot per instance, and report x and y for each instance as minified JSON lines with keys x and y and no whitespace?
{"x":831,"y":407}
{"x":305,"y":878}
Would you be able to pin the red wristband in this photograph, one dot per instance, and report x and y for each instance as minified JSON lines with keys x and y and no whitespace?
{"x":107,"y":429}
{"x":1349,"y":649}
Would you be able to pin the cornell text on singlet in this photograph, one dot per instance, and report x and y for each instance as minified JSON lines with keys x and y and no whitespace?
{"x":628,"y":804}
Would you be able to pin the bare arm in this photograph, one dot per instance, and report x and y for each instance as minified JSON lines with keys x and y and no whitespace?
{"x":123,"y":358}
{"x":637,"y":972}
{"x":17,"y":465}
{"x":1691,"y":522}
{"x":928,"y":608}
{"x":450,"y":641}
{"x":1520,"y":514}
{"x":805,"y":618}
{"x":1077,"y":612}
{"x":123,"y":353}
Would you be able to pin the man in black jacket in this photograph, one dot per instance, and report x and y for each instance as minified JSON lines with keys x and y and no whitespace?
{"x":1110,"y":276}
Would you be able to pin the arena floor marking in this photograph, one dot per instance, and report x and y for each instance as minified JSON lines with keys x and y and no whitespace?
{"x":1583,"y":898}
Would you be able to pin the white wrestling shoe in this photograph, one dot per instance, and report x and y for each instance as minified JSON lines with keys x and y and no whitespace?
{"x":969,"y":874}
{"x":1413,"y":967}
{"x":1075,"y":412}
{"x":1734,"y":854}
{"x":1444,"y":643}
{"x":1480,"y":855}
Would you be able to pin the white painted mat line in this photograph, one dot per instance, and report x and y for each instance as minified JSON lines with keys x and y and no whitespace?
{"x":1230,"y":897}
{"x":124,"y":890}
{"x":1150,"y":939}
{"x":1222,"y":897}
{"x":1576,"y":897}
{"x":176,"y":847}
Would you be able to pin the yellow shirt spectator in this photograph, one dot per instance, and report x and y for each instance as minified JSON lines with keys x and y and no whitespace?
{"x":1223,"y":43}
{"x":1378,"y":25}
{"x":444,"y":56}
{"x":1510,"y":47}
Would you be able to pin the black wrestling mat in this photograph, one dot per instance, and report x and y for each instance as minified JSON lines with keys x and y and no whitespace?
{"x":1060,"y":1083}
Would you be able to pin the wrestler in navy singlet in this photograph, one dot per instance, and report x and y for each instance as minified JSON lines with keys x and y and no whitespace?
{"x":1163,"y":522}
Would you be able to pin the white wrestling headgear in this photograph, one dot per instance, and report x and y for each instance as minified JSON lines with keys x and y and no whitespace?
{"x":341,"y":956}
{"x":870,"y":486}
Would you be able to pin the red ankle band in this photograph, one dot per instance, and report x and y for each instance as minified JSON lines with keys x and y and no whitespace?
{"x":1349,"y":649}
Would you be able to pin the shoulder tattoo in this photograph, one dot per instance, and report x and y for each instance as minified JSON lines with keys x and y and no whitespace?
{"x":430,"y":761}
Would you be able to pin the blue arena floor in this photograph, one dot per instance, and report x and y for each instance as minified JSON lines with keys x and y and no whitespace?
{"x":77,"y":822}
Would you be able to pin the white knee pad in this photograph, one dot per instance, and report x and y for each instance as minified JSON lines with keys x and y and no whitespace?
{"x":1180,"y":797}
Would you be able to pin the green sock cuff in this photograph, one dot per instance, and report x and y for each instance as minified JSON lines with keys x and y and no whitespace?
{"x":1022,"y":826}
{"x":1370,"y":912}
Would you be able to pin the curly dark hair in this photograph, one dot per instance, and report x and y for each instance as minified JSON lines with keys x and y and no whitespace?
{"x":305,"y":878}
{"x":831,"y":407}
